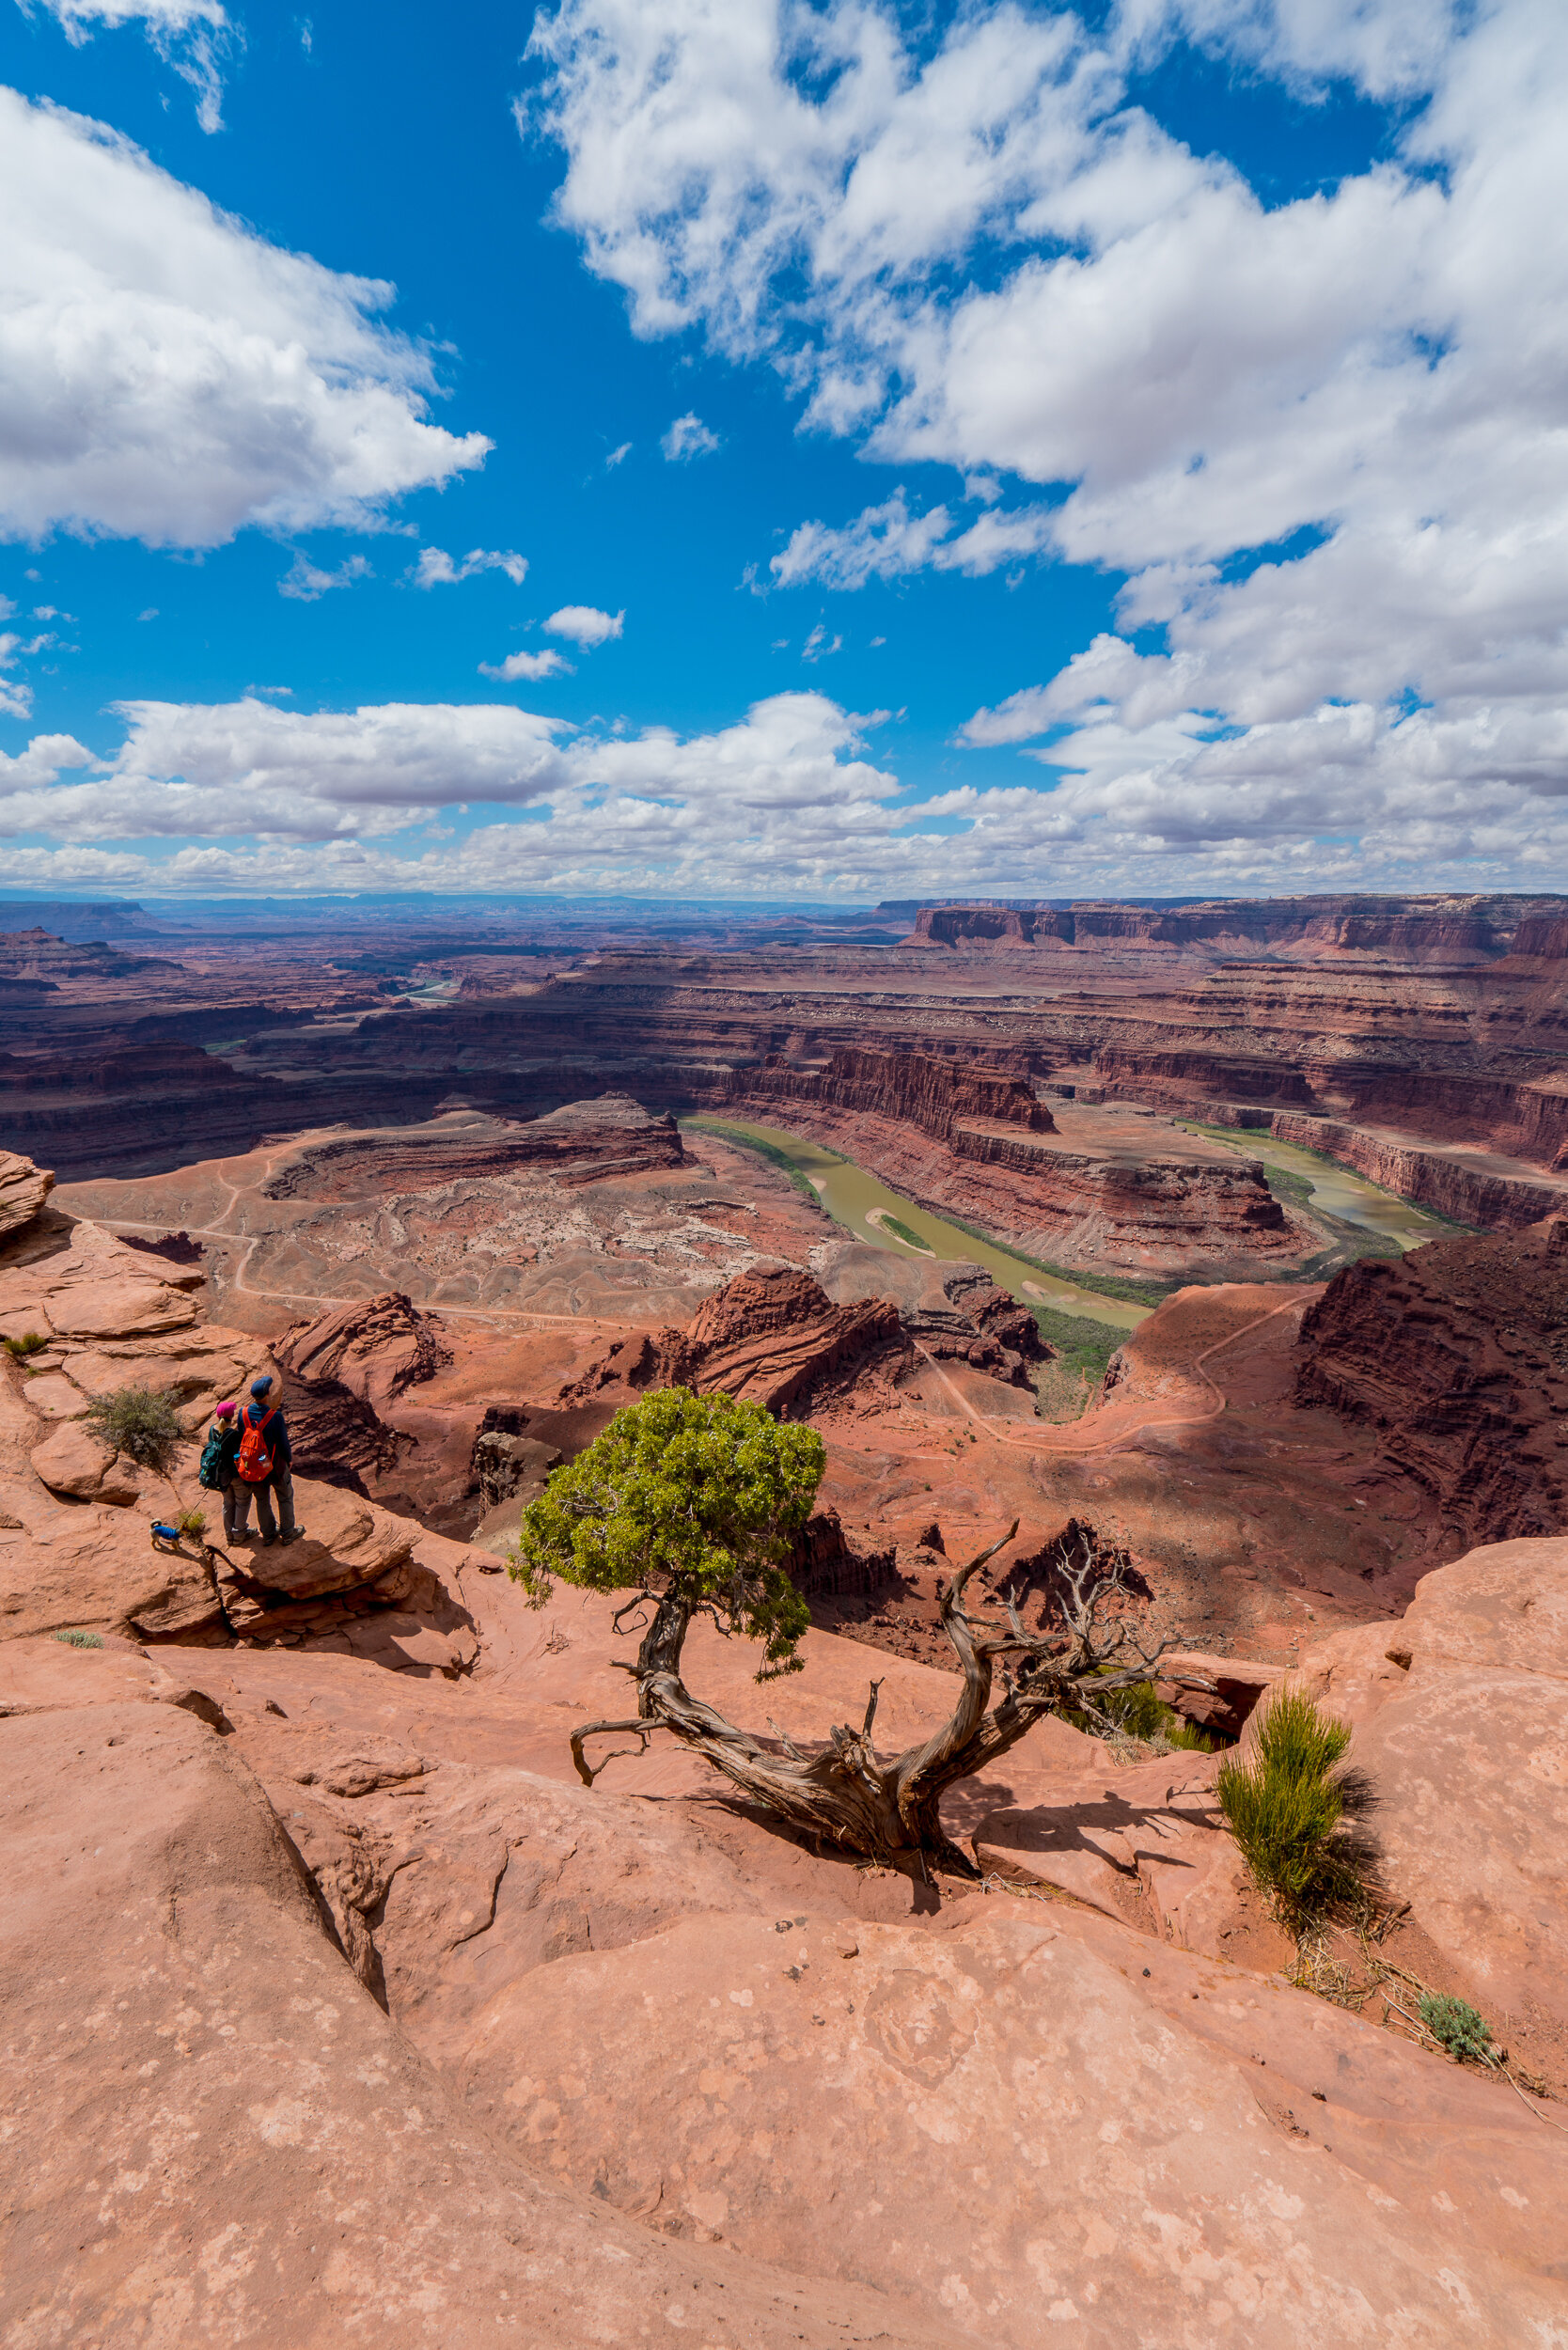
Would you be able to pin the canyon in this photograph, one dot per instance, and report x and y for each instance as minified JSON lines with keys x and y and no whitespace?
{"x":466,"y":1190}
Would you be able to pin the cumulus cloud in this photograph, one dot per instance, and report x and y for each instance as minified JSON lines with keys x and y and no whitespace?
{"x":306,"y":582}
{"x":167,"y":375}
{"x":529,"y":664}
{"x":1321,"y":438}
{"x":688,"y":437}
{"x":888,"y":541}
{"x":436,"y":568}
{"x":585,"y":624}
{"x":784,"y":800}
{"x":193,"y":35}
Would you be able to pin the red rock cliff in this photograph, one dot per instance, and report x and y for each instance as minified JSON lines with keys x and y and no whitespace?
{"x":925,"y":1089}
{"x":1458,"y":1355}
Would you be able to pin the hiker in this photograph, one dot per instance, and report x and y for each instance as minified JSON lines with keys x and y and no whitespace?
{"x":218,"y":1471}
{"x":265,"y":1464}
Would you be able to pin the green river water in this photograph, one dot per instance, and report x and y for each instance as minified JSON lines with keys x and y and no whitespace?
{"x":864,"y":1205}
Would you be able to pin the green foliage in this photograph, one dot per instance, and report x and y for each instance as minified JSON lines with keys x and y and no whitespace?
{"x":1459,"y":2027}
{"x":745,"y":1140}
{"x":192,"y":1524}
{"x":80,"y":1639}
{"x":136,"y":1422}
{"x":1130,"y":1290}
{"x":1139,"y":1711}
{"x":910,"y":1238}
{"x":30,"y":1342}
{"x":1080,"y":1346}
{"x":1287,"y":1813}
{"x":696,"y":1495}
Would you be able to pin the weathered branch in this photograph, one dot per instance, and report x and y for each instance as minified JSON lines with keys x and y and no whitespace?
{"x":602,"y":1730}
{"x":890,"y":1811}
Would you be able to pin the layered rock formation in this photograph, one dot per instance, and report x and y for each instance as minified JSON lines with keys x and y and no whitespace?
{"x":943,"y":1098}
{"x":23,"y":1189}
{"x":375,"y":1348}
{"x":769,"y":1337}
{"x":1458,"y":1356}
{"x":983,"y":1325}
{"x":583,"y":1142}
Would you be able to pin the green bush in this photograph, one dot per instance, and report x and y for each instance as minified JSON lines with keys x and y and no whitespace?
{"x":905,"y":1233}
{"x":695,"y":1497}
{"x":1138,"y":1712}
{"x":80,"y":1639}
{"x":1459,"y":2027}
{"x":30,"y":1342}
{"x":1079,"y":1343}
{"x":1287,"y":1812}
{"x":192,"y":1524}
{"x":136,"y":1422}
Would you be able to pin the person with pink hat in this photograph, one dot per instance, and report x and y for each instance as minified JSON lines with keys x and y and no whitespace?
{"x":219,"y":1471}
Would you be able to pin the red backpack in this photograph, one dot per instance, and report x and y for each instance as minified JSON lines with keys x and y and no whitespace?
{"x":255,"y":1463}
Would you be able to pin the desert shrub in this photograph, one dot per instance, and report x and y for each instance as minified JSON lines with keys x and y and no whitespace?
{"x":192,"y":1524}
{"x":1287,"y":1809}
{"x":1459,"y":2027}
{"x":1138,"y":1712}
{"x":136,"y":1422}
{"x":80,"y":1639}
{"x":30,"y":1342}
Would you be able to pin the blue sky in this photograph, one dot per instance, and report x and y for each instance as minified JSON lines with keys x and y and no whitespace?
{"x":1119,"y":456}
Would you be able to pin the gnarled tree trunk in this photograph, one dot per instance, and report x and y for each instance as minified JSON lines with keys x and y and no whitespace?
{"x":887,"y":1809}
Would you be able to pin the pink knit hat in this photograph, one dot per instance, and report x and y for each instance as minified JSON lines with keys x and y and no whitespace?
{"x":222,"y":1410}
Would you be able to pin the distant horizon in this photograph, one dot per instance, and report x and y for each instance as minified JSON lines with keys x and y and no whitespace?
{"x":780,"y":909}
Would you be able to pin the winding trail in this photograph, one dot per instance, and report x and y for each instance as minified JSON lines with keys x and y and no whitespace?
{"x":1041,"y":1441}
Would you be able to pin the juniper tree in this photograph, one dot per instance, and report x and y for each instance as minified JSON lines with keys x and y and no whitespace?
{"x":691,"y":1505}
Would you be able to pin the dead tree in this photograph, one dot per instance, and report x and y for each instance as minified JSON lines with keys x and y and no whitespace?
{"x":887,"y":1809}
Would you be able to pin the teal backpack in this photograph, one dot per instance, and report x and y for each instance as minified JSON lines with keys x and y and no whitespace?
{"x":213,"y":1471}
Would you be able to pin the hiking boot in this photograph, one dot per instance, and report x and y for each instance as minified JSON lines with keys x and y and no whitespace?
{"x":267,"y":1541}
{"x":293,"y":1534}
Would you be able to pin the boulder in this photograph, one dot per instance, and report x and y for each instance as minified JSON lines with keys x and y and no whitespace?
{"x":375,"y":1347}
{"x":347,"y":1543}
{"x":76,"y":1463}
{"x":23,"y":1189}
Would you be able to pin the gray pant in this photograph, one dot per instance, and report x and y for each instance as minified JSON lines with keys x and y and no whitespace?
{"x":280,"y":1482}
{"x":236,"y":1510}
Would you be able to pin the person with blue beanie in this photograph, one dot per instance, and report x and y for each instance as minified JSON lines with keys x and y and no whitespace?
{"x":265,"y":1463}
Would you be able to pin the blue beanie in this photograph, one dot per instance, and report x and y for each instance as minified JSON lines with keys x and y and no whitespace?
{"x":259,"y":1386}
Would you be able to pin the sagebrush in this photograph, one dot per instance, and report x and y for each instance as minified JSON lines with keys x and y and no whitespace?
{"x":139,"y":1422}
{"x":1459,"y":2027}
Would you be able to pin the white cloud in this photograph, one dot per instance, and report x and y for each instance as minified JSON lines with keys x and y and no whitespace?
{"x":819,"y":644}
{"x":193,"y":35}
{"x":784,"y":802}
{"x":888,"y":541}
{"x":617,"y":456}
{"x":167,"y":375}
{"x":306,"y":582}
{"x":688,"y":437}
{"x":961,"y":241}
{"x":436,"y":568}
{"x":529,"y":664}
{"x":585,"y":624}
